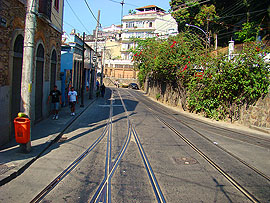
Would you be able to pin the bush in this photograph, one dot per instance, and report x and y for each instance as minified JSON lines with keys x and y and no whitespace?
{"x":213,"y":85}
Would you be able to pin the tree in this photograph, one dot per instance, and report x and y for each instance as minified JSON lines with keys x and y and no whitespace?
{"x":227,"y":18}
{"x":194,"y":13}
{"x":248,"y":33}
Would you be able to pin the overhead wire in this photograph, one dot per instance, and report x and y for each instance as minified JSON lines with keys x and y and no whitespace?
{"x":64,"y":22}
{"x":228,"y":9}
{"x":77,"y":17}
{"x":91,"y":11}
{"x":123,"y":3}
{"x":236,"y":8}
{"x":242,"y":14}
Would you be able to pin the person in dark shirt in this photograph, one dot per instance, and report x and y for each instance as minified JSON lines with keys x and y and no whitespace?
{"x":55,"y":96}
{"x":102,"y":89}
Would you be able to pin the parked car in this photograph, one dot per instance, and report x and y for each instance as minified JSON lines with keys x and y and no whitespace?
{"x":133,"y":86}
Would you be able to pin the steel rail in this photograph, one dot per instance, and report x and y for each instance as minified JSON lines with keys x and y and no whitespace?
{"x":131,"y":130}
{"x":203,"y":155}
{"x":106,"y":182}
{"x":52,"y":142}
{"x":98,"y":193}
{"x":107,"y":193}
{"x":212,"y":163}
{"x":217,"y":127}
{"x":64,"y":173}
{"x":220,"y":147}
{"x":159,"y":196}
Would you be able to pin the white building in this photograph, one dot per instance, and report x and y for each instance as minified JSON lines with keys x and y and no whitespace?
{"x":149,"y":21}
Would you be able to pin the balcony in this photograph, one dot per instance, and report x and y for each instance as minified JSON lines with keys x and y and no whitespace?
{"x":45,"y":9}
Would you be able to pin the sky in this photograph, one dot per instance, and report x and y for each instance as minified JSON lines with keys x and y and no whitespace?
{"x":110,"y":12}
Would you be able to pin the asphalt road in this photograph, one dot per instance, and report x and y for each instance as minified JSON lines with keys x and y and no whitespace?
{"x":181,"y":173}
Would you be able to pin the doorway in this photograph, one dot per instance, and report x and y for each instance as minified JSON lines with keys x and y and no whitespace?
{"x":39,"y":82}
{"x":16,"y":77}
{"x":53,"y":69}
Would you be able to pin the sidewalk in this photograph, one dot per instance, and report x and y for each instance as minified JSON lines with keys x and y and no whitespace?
{"x":12,"y":159}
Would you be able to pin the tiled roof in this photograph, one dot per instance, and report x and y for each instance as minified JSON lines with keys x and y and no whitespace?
{"x":149,"y":6}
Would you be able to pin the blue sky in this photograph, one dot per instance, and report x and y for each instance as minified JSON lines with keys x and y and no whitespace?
{"x":110,"y":12}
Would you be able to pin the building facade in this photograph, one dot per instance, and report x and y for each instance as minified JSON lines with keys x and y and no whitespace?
{"x":119,"y":69}
{"x":46,"y":73}
{"x":149,"y":21}
{"x":72,"y":65}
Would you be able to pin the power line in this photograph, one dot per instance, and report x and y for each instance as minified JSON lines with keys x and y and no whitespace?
{"x":91,"y":11}
{"x":191,"y":5}
{"x":64,"y":22}
{"x":77,"y":17}
{"x":242,"y":14}
{"x":60,"y":24}
{"x":123,"y":3}
{"x":229,"y":8}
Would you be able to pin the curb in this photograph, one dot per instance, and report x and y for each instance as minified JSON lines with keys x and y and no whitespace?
{"x":54,"y":140}
{"x":261,"y":129}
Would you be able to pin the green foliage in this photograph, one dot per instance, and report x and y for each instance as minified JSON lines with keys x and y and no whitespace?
{"x":131,"y":12}
{"x":157,"y":96}
{"x":229,"y":84}
{"x":212,"y":85}
{"x":192,"y":12}
{"x":224,"y":17}
{"x":248,"y":33}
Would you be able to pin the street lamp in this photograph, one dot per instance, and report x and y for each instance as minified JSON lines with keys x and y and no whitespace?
{"x":206,"y":34}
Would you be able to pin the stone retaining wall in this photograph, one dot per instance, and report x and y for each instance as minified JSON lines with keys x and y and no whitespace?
{"x":109,"y":81}
{"x":257,"y":115}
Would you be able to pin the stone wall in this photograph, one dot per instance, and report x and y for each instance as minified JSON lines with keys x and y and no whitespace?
{"x":109,"y":81}
{"x":14,"y":11}
{"x":257,"y":115}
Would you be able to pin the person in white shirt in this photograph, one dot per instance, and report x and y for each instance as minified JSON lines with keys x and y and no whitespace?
{"x":72,"y":99}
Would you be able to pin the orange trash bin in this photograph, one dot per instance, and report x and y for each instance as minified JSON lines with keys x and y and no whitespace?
{"x":22,"y":130}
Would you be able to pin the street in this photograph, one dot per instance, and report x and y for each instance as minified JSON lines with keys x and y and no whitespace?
{"x":127,"y":148}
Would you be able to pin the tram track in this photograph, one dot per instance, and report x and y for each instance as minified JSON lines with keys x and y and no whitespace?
{"x":248,"y":138}
{"x":68,"y":170}
{"x":210,"y":141}
{"x":103,"y":192}
{"x":236,"y":184}
{"x":106,"y":181}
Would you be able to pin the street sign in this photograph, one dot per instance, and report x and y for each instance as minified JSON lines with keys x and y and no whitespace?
{"x":94,"y":58}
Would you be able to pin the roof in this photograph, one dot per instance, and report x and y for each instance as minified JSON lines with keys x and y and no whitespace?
{"x":149,"y":8}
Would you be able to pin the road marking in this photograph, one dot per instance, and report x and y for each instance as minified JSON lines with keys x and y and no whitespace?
{"x":109,"y":105}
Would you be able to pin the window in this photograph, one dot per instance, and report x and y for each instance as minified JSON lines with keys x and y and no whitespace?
{"x":130,"y":24}
{"x":56,"y":4}
{"x":140,"y":24}
{"x":150,"y":24}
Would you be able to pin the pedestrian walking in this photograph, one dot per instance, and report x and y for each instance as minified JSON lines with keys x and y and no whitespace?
{"x":72,"y":99}
{"x":102,"y":89}
{"x":97,"y":85}
{"x":56,"y":99}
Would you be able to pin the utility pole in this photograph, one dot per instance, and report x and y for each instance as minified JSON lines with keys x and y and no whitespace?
{"x":83,"y":74}
{"x":93,"y":71}
{"x":103,"y":63}
{"x":28,"y":57}
{"x":122,"y":3}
